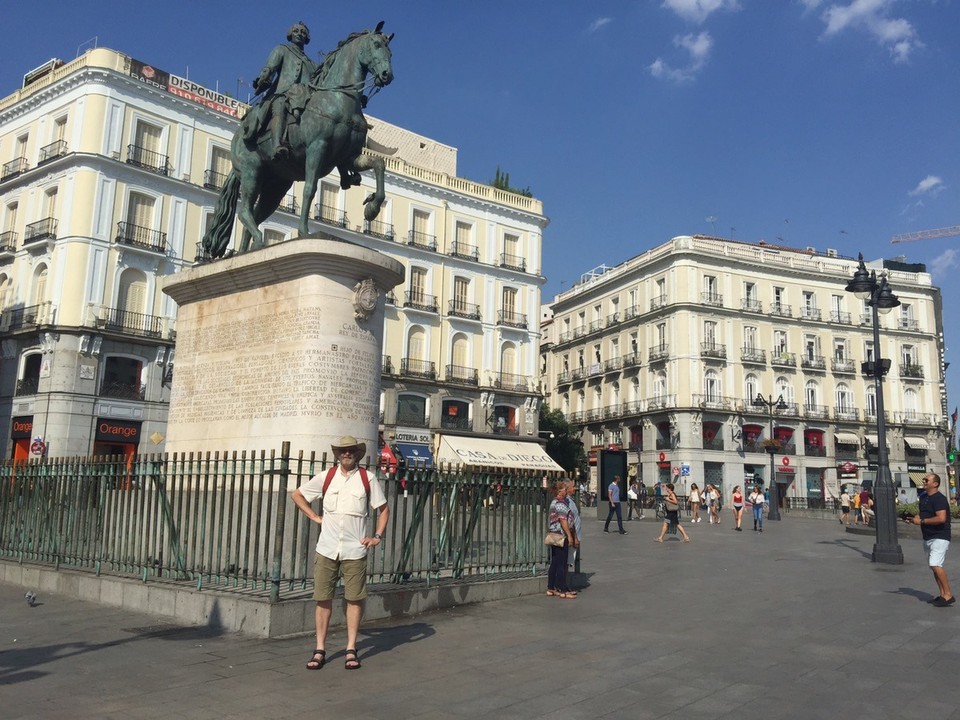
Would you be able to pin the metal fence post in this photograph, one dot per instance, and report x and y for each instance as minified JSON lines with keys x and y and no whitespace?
{"x":281,"y":515}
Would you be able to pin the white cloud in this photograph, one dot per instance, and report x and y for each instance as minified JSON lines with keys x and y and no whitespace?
{"x":930,"y":185}
{"x":599,"y":23}
{"x":811,"y":4}
{"x":699,"y":10}
{"x":873,"y":17}
{"x":947,"y":261}
{"x":698,"y":46}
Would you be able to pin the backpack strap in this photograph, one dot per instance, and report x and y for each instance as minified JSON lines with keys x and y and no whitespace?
{"x":364,"y":478}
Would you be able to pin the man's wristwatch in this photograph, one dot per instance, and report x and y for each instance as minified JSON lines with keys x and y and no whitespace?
{"x":378,"y":536}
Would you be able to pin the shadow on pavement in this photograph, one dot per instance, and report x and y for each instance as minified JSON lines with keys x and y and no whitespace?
{"x":383,"y":639}
{"x":846,"y":544}
{"x":912,"y":592}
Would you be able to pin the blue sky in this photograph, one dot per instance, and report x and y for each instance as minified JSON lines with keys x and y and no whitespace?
{"x":830,"y":123}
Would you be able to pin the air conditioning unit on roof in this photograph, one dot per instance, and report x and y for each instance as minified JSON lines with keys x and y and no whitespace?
{"x":831,"y":252}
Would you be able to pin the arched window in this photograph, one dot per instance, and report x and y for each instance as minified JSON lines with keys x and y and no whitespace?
{"x":844,"y":398}
{"x":40,"y":286}
{"x":634,"y":390}
{"x":132,"y":291}
{"x":910,"y":404}
{"x":784,"y":388}
{"x":581,"y":401}
{"x":660,"y":385}
{"x":458,"y":355}
{"x":711,"y":386}
{"x":416,"y":343}
{"x":508,"y":358}
{"x":751,"y":388}
{"x":615,"y":394}
{"x":566,"y":405}
{"x":597,"y":398}
{"x":871,"y":409}
{"x":811,"y":394}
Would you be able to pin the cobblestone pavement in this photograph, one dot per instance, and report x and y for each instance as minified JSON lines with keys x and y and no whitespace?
{"x":792,"y":623}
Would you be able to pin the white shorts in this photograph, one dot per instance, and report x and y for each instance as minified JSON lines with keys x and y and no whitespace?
{"x":936,"y":551}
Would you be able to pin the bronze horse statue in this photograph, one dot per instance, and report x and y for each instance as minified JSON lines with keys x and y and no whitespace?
{"x":331,"y":134}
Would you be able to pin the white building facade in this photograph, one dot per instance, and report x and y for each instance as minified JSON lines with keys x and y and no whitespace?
{"x":665,"y":355}
{"x":109,"y":173}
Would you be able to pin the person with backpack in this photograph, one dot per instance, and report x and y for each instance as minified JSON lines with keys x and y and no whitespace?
{"x":348,"y":493}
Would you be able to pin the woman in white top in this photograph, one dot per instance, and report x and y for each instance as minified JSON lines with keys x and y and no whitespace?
{"x":694,"y":503}
{"x":712,"y":504}
{"x":757,"y":499}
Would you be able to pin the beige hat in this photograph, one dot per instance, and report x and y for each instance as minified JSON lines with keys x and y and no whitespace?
{"x":349,"y":441}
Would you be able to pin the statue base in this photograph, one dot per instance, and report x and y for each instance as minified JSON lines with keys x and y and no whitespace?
{"x":284,"y":343}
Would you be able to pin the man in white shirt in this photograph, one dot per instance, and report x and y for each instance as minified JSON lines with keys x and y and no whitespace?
{"x":348,"y":492}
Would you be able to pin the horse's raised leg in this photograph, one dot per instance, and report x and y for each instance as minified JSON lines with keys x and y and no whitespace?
{"x":271,"y":194}
{"x":374,"y":200}
{"x":313,"y":161}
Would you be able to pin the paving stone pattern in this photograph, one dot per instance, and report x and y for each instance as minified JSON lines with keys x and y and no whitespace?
{"x":793,"y":623}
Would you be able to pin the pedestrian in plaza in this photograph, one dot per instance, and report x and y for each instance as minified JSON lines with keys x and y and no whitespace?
{"x":857,"y":513}
{"x":642,"y":492}
{"x":737,"y":506}
{"x":574,"y":549}
{"x":348,"y":492}
{"x":713,"y":504}
{"x":673,"y":514}
{"x":694,"y":501}
{"x":934,"y":522}
{"x":613,"y":496}
{"x":559,"y":520}
{"x":757,"y":500}
{"x":633,"y":496}
{"x":866,"y":507}
{"x":902,"y":497}
{"x":844,"y":507}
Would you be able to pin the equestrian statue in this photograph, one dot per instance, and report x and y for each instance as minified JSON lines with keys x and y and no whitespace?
{"x":308,"y":121}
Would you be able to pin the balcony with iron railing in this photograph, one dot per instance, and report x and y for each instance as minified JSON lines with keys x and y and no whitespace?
{"x":509,"y":381}
{"x":790,"y":409}
{"x":843,"y":366}
{"x":565,"y":336}
{"x":612,"y":364}
{"x":781,"y":310}
{"x":632,"y":407}
{"x":658,"y":302}
{"x":330,"y":215}
{"x":751,"y":305}
{"x":813,"y":362}
{"x":19,"y":318}
{"x":148,"y":160}
{"x":130,"y":323}
{"x":714,"y":443}
{"x":594,"y":326}
{"x":659,"y":353}
{"x":513,"y":262}
{"x":122,"y":390}
{"x":564,"y":377}
{"x":870,"y":415}
{"x":578,"y":373}
{"x":141,"y":237}
{"x":13,"y":168}
{"x":8,"y":242}
{"x":387,"y":365}
{"x":412,"y":367}
{"x":213,"y":180}
{"x":289,"y":204}
{"x":846,"y":413}
{"x":465,"y":310}
{"x":664,"y":443}
{"x":465,"y":251}
{"x":809,"y":313}
{"x":866,"y":319}
{"x":377,"y":228}
{"x":45,"y":229}
{"x":416,"y":300}
{"x":630,"y":360}
{"x":501,"y":428}
{"x":631,"y":312}
{"x":58,"y":148}
{"x":753,"y":355}
{"x":612,"y":411}
{"x":422,"y":240}
{"x":462,"y":375}
{"x":662,"y":402}
{"x":816,"y":412}
{"x":27,"y":386}
{"x":911,"y":417}
{"x":814,"y":451}
{"x":782,"y":358}
{"x":838,"y":316}
{"x":711,"y":298}
{"x":390,"y":298}
{"x":713,"y":402}
{"x":576,"y":417}
{"x":907,"y":324}
{"x":511,"y":319}
{"x":754,"y":446}
{"x":911,"y":371}
{"x":613,"y":319}
{"x":455,"y":422}
{"x":713,"y":350}
{"x":410,"y":418}
{"x":846,"y":452}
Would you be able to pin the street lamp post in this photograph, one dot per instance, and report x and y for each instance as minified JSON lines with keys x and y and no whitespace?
{"x":878,"y":295}
{"x":760,"y":401}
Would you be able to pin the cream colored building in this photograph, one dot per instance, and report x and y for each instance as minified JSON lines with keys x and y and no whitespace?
{"x":109,"y":172}
{"x":665,"y":354}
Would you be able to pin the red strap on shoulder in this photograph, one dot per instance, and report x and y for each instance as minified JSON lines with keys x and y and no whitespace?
{"x":364,"y":478}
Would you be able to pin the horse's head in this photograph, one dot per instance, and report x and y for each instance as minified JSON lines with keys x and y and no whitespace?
{"x":374,"y":54}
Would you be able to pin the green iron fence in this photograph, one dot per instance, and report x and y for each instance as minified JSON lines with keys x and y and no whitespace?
{"x":226,"y":520}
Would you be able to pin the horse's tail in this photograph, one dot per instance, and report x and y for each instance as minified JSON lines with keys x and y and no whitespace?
{"x":217,"y":237}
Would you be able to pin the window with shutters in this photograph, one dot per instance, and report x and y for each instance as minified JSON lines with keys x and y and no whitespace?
{"x":132,"y":295}
{"x":8,"y":235}
{"x":140,"y":210}
{"x":508,"y":358}
{"x":220,"y":165}
{"x":509,"y":301}
{"x":463,"y":244}
{"x":40,"y":286}
{"x":460,"y":357}
{"x":50,"y":203}
{"x":418,"y":285}
{"x":461,"y":294}
{"x":420,"y":233}
{"x":416,"y":344}
{"x":147,"y":137}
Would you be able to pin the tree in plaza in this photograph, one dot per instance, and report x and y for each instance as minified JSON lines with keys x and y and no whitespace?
{"x":565,"y":446}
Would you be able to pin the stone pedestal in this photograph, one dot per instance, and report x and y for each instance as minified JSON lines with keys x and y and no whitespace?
{"x":280,"y":344}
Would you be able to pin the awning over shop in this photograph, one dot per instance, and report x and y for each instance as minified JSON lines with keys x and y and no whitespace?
{"x":917,"y":478}
{"x":872,"y":439}
{"x":415,"y":454}
{"x":487,"y":452}
{"x":845,"y":438}
{"x":916,"y":443}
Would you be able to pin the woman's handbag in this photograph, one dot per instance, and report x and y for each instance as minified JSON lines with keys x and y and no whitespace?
{"x":672,"y":506}
{"x":555,"y":539}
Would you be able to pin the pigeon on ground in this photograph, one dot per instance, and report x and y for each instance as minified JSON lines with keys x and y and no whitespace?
{"x":31,"y":598}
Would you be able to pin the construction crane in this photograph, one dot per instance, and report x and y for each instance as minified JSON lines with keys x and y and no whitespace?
{"x":927,"y":234}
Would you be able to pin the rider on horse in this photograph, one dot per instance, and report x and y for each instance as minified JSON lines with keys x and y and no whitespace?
{"x":285,"y":78}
